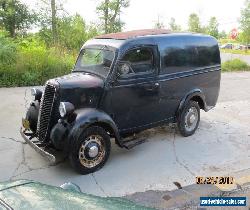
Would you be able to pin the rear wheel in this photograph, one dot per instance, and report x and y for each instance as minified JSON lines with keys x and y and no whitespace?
{"x":189,"y":118}
{"x":91,"y":151}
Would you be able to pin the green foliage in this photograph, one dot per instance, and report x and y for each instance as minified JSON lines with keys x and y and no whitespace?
{"x":159,"y":24}
{"x":33,"y":59}
{"x":235,"y":65}
{"x":35,"y":64}
{"x":222,"y":35}
{"x":212,"y":28}
{"x":243,"y":38}
{"x":173,"y":26}
{"x":109,"y":13}
{"x":245,"y":23}
{"x":72,"y":32}
{"x":15,"y":16}
{"x":7,"y":50}
{"x":194,"y":24}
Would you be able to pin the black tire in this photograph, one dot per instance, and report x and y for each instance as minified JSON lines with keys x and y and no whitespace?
{"x":187,"y":128}
{"x":79,"y":164}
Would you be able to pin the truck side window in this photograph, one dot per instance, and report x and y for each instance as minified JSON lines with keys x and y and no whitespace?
{"x":180,"y":59}
{"x":139,"y":60}
{"x":179,"y":55}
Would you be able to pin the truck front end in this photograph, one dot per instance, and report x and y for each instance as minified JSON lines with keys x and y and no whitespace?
{"x":54,"y":111}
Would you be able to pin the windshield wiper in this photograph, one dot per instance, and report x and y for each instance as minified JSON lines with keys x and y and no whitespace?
{"x":105,"y":46}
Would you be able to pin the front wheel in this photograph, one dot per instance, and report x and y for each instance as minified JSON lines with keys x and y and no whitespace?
{"x":189,"y":118}
{"x":91,"y":151}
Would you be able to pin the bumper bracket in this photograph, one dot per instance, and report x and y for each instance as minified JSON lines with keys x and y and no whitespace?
{"x":39,"y":147}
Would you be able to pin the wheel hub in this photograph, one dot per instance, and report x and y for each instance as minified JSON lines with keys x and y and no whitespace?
{"x":191,"y":119}
{"x":92,"y":151}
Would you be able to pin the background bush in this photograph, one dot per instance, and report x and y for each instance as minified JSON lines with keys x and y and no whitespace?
{"x":30,"y":62}
{"x":7,"y":50}
{"x":32,"y":59}
{"x":235,"y":65}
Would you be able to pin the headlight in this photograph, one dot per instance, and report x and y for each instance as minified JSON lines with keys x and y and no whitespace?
{"x":66,"y":108}
{"x":36,"y":93}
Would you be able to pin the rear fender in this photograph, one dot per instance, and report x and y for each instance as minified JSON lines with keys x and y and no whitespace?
{"x":194,"y":94}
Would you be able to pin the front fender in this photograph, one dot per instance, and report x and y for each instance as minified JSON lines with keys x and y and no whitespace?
{"x":87,"y":117}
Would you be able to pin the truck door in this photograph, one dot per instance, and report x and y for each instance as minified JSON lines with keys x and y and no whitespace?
{"x":135,"y":93}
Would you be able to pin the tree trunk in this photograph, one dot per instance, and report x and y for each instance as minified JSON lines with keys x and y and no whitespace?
{"x":112,"y":19}
{"x":106,"y":14}
{"x":53,"y":21}
{"x":12,"y":31}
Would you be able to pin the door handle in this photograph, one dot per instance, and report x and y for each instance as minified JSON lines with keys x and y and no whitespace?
{"x":152,"y":87}
{"x":157,"y":84}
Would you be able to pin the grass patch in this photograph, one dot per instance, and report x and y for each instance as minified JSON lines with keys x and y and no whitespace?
{"x":241,"y":52}
{"x":235,"y":65}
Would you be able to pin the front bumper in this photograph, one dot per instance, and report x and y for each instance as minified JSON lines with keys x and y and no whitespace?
{"x":41,"y":148}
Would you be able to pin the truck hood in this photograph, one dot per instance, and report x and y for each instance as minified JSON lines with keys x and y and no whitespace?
{"x":81,"y":89}
{"x":80,"y":80}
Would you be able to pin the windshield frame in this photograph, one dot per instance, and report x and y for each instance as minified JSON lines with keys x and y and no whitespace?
{"x":76,"y":67}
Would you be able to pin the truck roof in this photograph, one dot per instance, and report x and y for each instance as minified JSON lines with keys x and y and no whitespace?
{"x":146,"y":36}
{"x":133,"y":34}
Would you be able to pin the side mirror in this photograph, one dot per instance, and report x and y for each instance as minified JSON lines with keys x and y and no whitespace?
{"x":123,"y":68}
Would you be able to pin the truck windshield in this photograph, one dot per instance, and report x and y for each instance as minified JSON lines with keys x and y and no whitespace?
{"x":95,"y":60}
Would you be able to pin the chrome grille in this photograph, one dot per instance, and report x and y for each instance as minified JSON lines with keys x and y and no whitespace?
{"x":45,"y":112}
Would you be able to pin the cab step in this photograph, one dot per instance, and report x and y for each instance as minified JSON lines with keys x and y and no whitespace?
{"x":131,"y":143}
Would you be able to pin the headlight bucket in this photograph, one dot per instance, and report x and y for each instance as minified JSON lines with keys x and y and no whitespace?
{"x":66,"y":108}
{"x":36,"y":93}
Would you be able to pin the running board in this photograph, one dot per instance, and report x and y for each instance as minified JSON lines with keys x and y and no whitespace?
{"x":129,"y":144}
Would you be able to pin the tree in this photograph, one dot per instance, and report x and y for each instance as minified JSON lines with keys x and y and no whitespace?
{"x":159,"y":24}
{"x":245,"y":23}
{"x":212,"y":28}
{"x":194,"y":23}
{"x":15,"y":16}
{"x":173,"y":26}
{"x":72,"y":32}
{"x":222,"y":35}
{"x":50,"y":12}
{"x":109,"y":12}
